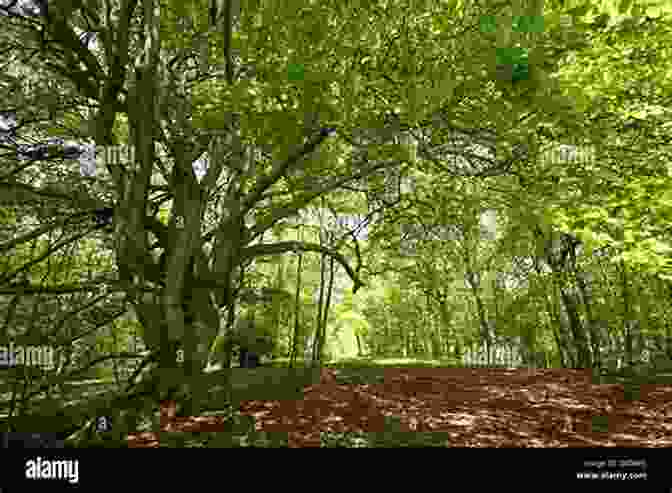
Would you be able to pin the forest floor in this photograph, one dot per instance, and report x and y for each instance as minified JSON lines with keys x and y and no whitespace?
{"x":441,"y":407}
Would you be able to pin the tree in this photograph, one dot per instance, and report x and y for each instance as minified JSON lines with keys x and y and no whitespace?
{"x":283,"y":117}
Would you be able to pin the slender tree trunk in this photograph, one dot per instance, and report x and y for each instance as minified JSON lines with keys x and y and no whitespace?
{"x":579,"y":336}
{"x":474,"y":283}
{"x":297,"y":311}
{"x":627,"y":314}
{"x":320,"y":306}
{"x":554,"y":320}
{"x":593,"y":329}
{"x":327,"y":306}
{"x":277,"y":304}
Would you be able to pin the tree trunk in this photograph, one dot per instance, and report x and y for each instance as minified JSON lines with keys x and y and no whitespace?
{"x":315,"y":357}
{"x":297,"y":311}
{"x":580,"y":340}
{"x":327,"y":306}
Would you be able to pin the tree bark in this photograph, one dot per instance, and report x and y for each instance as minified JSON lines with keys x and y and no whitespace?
{"x":297,"y":312}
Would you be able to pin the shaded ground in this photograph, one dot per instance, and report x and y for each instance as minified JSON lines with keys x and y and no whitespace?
{"x":455,"y":407}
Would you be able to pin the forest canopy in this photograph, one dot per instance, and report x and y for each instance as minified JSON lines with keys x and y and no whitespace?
{"x":426,"y":179}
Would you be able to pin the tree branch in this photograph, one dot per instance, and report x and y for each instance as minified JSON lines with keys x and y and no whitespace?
{"x":311,"y":194}
{"x":279,"y":170}
{"x":289,"y":246}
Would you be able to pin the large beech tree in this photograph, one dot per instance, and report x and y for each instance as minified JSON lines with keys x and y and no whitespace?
{"x":284,"y":112}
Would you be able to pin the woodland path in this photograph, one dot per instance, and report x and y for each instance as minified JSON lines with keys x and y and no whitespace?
{"x":451,"y":407}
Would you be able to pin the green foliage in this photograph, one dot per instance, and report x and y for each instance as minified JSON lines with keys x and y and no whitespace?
{"x":516,"y":61}
{"x":633,"y":206}
{"x":295,"y":72}
{"x":528,"y":24}
{"x":488,"y":24}
{"x":603,"y":82}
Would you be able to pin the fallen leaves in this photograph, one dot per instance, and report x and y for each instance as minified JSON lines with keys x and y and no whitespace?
{"x":469,"y":407}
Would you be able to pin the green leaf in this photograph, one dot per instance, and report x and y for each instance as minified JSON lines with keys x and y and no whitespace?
{"x":623,"y":6}
{"x":528,"y":24}
{"x":295,"y":72}
{"x":488,"y":24}
{"x":581,"y":10}
{"x":637,"y":11}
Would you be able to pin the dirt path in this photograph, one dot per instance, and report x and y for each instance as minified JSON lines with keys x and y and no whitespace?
{"x":458,"y":408}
